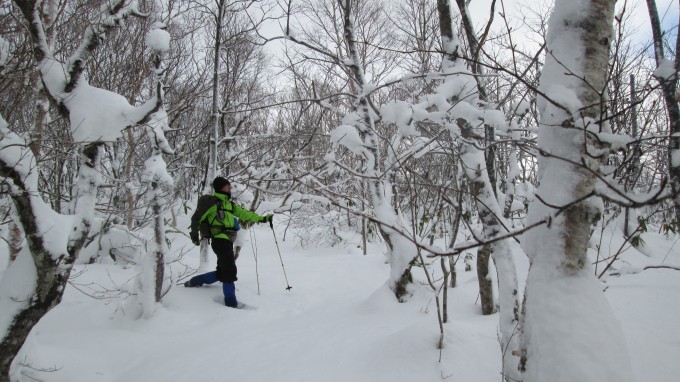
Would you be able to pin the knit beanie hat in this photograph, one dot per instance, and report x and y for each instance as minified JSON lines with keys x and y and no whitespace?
{"x":220,"y":182}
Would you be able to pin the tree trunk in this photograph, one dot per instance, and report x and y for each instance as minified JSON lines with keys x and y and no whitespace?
{"x":158,"y":177}
{"x":129,"y":197}
{"x":26,"y":318}
{"x":364,"y":230}
{"x":634,"y":167}
{"x":52,"y":271}
{"x":486,"y":296}
{"x":564,"y":303}
{"x":401,"y":251}
{"x":41,"y":120}
{"x":445,"y":292}
{"x":669,"y":88}
{"x":455,"y":224}
{"x":15,"y":241}
{"x":215,"y":130}
{"x":159,"y":238}
{"x":490,"y":215}
{"x":476,"y":66}
{"x":42,"y":107}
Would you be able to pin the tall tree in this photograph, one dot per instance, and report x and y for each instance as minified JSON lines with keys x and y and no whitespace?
{"x":667,"y":75}
{"x":157,"y":177}
{"x":475,"y":167}
{"x":95,"y":115}
{"x":569,"y":330}
{"x":211,"y":165}
{"x":401,"y":251}
{"x":360,"y":146}
{"x":236,"y":73}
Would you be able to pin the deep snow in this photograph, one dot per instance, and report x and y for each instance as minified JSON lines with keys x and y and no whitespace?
{"x":338,"y":323}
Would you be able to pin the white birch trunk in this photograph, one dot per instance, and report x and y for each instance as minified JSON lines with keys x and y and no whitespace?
{"x":570,"y":332}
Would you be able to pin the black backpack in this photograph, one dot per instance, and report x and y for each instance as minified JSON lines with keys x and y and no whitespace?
{"x":204,"y":203}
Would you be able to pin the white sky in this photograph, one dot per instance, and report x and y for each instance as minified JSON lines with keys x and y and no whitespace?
{"x":668,"y":12}
{"x":519,"y":9}
{"x":479,"y":9}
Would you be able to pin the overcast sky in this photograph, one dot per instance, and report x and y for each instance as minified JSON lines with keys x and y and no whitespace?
{"x":637,"y":10}
{"x":517,"y":9}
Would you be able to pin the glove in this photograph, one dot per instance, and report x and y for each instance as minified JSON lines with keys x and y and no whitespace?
{"x":195,"y":240}
{"x":268,"y":219}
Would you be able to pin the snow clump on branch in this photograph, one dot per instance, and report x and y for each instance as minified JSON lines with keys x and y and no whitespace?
{"x":665,"y":70}
{"x":158,"y":39}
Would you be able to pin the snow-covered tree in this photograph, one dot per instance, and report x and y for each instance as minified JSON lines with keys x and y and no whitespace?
{"x":667,"y":76}
{"x":359,"y":135}
{"x":236,"y":70}
{"x":569,"y":330}
{"x":35,"y":282}
{"x":401,"y":251}
{"x":464,"y":122}
{"x":154,"y":281}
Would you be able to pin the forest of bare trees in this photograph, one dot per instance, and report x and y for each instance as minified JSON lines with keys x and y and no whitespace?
{"x":405,"y":121}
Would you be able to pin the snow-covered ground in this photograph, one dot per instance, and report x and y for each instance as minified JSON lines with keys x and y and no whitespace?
{"x":338,"y":323}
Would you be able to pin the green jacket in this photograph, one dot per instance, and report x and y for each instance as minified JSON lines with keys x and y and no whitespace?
{"x":220,"y":215}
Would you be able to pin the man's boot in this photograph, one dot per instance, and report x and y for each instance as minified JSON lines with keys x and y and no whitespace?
{"x":229,"y":290}
{"x":197,"y":281}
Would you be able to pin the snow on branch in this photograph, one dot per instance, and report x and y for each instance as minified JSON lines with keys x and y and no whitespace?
{"x":16,"y":159}
{"x":156,"y":128}
{"x":155,"y":171}
{"x":95,"y":114}
{"x":46,"y":230}
{"x":101,"y":115}
{"x":158,"y":39}
{"x":348,"y":136}
{"x":630,"y":270}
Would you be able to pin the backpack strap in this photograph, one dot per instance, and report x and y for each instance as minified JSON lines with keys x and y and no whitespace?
{"x":217,"y":203}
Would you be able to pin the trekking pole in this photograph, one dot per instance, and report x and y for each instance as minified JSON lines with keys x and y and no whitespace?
{"x":253,"y":244}
{"x":280,"y":257}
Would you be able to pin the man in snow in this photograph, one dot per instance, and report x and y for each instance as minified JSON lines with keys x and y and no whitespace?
{"x":215,"y":217}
